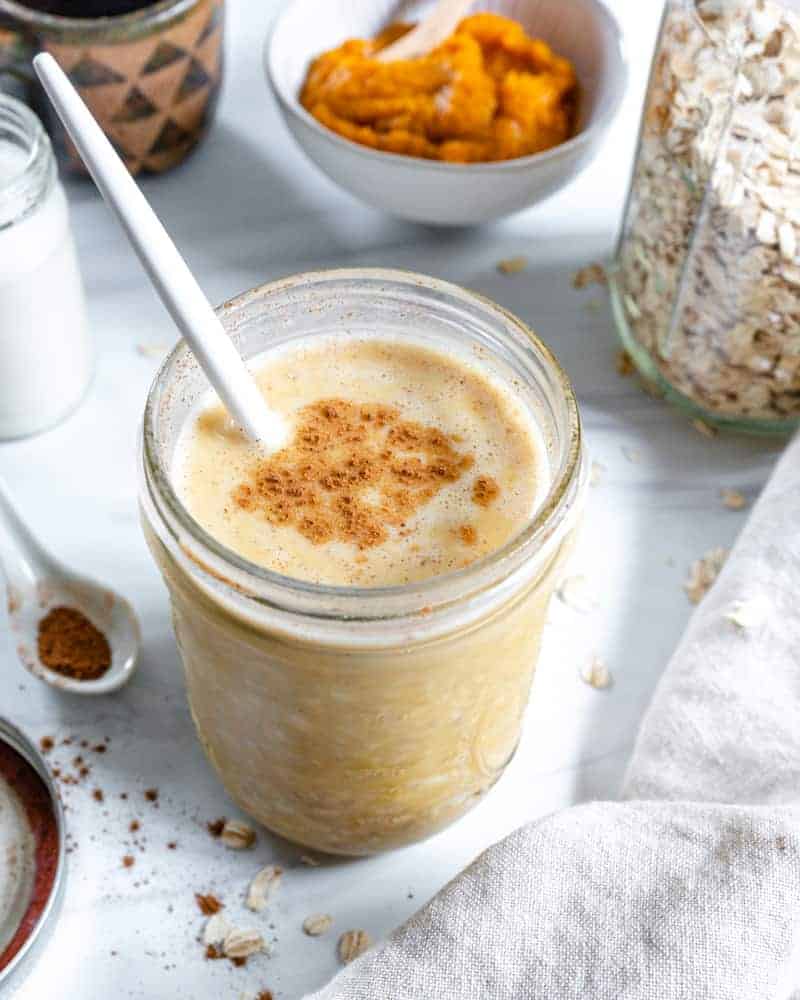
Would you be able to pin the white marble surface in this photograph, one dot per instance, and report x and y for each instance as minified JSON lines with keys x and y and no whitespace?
{"x":245,"y":209}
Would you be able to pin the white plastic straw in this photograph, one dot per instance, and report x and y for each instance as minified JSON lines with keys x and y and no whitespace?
{"x":168,"y":271}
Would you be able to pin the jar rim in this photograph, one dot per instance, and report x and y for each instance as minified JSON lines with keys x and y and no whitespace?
{"x":22,"y":190}
{"x":226,"y":566}
{"x":109,"y":28}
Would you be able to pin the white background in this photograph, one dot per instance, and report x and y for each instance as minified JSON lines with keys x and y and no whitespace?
{"x":247,"y":208}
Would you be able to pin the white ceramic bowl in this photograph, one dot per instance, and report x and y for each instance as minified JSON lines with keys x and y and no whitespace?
{"x":428,"y":190}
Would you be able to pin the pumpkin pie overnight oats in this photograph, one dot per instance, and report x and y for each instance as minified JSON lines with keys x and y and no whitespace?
{"x":359,"y":614}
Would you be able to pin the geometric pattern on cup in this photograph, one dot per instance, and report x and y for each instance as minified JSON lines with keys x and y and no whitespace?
{"x":153,"y":96}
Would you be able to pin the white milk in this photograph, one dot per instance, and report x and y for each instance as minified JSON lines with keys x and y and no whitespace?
{"x":45,"y":355}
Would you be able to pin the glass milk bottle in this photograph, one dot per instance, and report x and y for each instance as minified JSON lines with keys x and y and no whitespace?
{"x":45,"y":354}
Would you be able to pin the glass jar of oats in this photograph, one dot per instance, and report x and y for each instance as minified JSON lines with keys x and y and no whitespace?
{"x":706,"y":283}
{"x":353,"y":716}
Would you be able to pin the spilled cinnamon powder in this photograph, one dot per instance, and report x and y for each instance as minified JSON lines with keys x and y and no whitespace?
{"x":353,"y":471}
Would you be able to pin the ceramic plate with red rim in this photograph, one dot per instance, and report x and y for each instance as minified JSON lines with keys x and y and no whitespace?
{"x":31,"y":852}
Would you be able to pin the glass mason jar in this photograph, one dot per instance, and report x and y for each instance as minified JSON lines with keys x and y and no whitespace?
{"x":45,"y":352}
{"x":706,"y":284}
{"x":354,"y":720}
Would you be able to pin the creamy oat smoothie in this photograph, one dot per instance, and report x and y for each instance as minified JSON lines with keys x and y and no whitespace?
{"x":367,"y":717}
{"x":403,"y":464}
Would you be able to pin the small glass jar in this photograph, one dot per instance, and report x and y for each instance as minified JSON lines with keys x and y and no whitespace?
{"x":45,"y":354}
{"x":355,"y":720}
{"x":706,"y":286}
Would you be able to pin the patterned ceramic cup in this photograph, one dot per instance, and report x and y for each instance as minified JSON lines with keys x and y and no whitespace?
{"x":151,"y":77}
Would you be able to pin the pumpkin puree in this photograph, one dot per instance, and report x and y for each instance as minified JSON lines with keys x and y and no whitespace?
{"x":488,"y":92}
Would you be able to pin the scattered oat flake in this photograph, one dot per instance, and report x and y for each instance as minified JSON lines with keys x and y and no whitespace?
{"x":241,"y":943}
{"x":705,"y":429}
{"x":625,"y":365}
{"x":576,"y":593}
{"x":208,"y":903}
{"x":591,"y":274}
{"x":512,"y":265}
{"x":216,"y":930}
{"x":352,"y":944}
{"x":596,"y":674}
{"x":748,"y":614}
{"x":317,"y":924}
{"x":596,"y":474}
{"x":152,"y":350}
{"x":263,"y":886}
{"x":702,"y":574}
{"x":237,"y":835}
{"x":733,"y":499}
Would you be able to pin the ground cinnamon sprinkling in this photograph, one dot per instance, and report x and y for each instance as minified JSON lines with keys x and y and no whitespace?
{"x":468,"y":534}
{"x":265,"y":995}
{"x":216,"y":826}
{"x":128,"y":861}
{"x":46,"y":744}
{"x":239,"y":961}
{"x":352,"y":472}
{"x":172,"y":845}
{"x":97,"y":795}
{"x":485,"y":491}
{"x":100,"y":748}
{"x":71,"y":646}
{"x":209,"y":904}
{"x":84,"y":771}
{"x":151,"y":794}
{"x":213,"y":953}
{"x":135,"y":825}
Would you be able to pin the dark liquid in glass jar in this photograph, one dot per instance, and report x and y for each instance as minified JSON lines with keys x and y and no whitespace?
{"x":87,"y":8}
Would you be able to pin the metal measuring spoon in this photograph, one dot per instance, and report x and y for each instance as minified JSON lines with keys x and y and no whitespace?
{"x":37,"y":583}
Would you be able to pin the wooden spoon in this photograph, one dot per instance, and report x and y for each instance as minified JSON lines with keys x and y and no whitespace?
{"x":429,"y":33}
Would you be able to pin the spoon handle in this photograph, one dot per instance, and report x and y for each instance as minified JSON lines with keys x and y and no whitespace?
{"x":428,"y":33}
{"x":22,"y":558}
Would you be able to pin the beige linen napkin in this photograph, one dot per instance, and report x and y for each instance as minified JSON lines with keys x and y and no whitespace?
{"x":689,"y":889}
